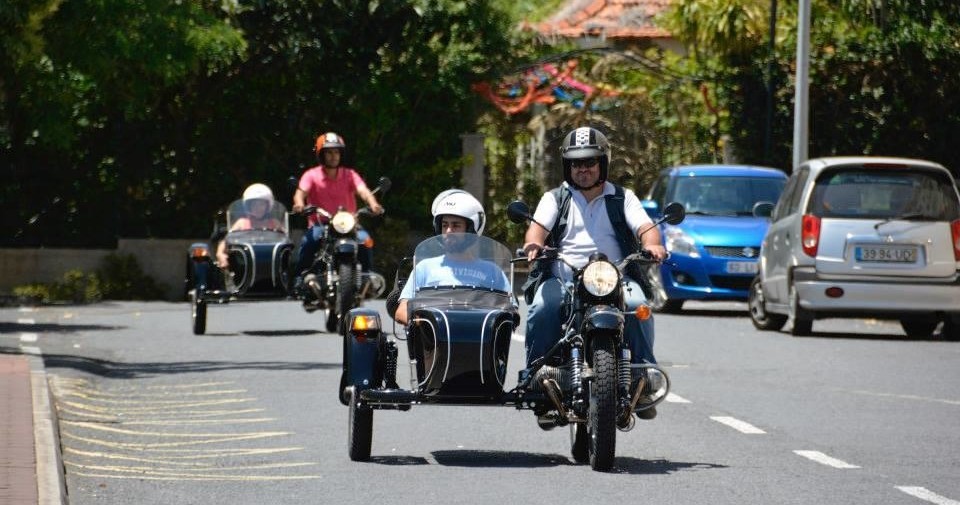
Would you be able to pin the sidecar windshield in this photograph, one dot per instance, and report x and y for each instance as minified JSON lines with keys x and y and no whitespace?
{"x":256,"y":217}
{"x":456,"y":264}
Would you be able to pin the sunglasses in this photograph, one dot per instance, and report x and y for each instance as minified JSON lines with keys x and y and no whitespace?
{"x":584,"y":163}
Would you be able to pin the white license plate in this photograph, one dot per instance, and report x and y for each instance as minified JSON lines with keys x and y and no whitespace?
{"x":742,"y":267}
{"x":886,"y":254}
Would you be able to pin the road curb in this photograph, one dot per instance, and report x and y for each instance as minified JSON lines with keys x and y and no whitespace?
{"x":51,"y":482}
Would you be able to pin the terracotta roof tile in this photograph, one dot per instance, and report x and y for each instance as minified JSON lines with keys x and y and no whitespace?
{"x":624,"y":19}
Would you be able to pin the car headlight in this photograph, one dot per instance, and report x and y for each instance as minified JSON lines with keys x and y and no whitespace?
{"x":678,"y":242}
{"x":600,"y":278}
{"x":343,"y":222}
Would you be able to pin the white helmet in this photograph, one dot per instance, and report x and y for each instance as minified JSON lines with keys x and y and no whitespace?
{"x":457,"y":202}
{"x":258,"y":191}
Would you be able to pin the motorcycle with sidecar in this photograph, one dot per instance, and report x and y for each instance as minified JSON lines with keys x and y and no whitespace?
{"x":458,"y":342}
{"x":260,"y":261}
{"x":335,"y":280}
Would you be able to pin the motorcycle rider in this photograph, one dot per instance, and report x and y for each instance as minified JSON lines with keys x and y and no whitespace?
{"x":329,"y":186}
{"x":456,"y":215}
{"x":589,"y":226}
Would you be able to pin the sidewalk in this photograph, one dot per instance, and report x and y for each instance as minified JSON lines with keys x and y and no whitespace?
{"x":31,"y":472}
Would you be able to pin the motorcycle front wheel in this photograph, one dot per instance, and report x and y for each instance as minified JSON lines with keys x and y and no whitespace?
{"x":346,"y":293}
{"x":602,"y":414}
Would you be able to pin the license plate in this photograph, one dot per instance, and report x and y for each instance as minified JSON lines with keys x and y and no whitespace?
{"x":742,"y":267}
{"x":886,"y":254}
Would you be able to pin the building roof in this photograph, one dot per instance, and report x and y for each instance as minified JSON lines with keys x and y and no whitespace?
{"x":615,"y":19}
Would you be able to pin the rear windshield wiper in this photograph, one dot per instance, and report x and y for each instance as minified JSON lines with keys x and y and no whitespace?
{"x":905,"y":217}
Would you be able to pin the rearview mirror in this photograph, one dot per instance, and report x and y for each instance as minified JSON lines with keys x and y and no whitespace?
{"x":518,"y":212}
{"x":674,"y":213}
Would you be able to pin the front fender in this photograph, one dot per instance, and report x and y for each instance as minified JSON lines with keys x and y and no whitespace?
{"x":345,"y":246}
{"x":363,"y":347}
{"x":603,"y":318}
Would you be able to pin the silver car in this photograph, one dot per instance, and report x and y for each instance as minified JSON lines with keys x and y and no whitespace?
{"x":862,"y":237}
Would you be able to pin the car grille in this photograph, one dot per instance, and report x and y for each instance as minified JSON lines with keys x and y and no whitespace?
{"x":748,"y":252}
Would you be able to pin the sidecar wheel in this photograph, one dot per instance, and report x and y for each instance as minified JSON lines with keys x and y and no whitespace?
{"x":360,"y":437}
{"x":602,"y":415}
{"x":331,"y":321}
{"x":199,"y":315}
{"x":579,"y":440}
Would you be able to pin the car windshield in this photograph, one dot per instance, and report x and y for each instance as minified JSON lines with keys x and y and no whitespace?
{"x":256,"y":217}
{"x":463,"y":267}
{"x":725,"y":196}
{"x":885,"y":194}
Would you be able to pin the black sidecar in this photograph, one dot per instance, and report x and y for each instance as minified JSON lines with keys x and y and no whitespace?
{"x":260,"y":260}
{"x":457,"y":339}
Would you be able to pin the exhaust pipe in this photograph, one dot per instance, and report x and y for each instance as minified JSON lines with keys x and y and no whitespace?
{"x":552,"y":389}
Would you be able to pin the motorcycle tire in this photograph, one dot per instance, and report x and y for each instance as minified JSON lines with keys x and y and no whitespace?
{"x":346,"y":291}
{"x":602,"y":414}
{"x":331,"y":320}
{"x":360,"y":436}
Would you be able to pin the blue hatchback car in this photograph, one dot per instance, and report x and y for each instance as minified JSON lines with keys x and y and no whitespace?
{"x":714,"y":252}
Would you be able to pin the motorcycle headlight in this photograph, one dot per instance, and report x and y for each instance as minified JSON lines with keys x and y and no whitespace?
{"x":600,"y":278}
{"x":343,"y":222}
{"x":678,"y":242}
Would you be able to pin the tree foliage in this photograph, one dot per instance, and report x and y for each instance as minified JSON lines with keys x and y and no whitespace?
{"x":142,"y":118}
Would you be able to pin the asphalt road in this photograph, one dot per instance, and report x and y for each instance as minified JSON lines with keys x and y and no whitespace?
{"x":247,"y":414}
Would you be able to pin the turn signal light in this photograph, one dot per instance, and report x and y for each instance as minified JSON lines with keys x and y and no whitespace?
{"x":199,"y":252}
{"x":368,"y":243}
{"x":642,"y":312}
{"x":365,"y":323}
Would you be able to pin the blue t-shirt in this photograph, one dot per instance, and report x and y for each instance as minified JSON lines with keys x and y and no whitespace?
{"x":447,"y":271}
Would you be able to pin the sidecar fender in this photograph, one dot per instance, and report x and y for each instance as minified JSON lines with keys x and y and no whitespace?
{"x":604,"y":318}
{"x":198,"y":268}
{"x":363,"y":347}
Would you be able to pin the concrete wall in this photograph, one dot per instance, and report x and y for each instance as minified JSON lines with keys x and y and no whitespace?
{"x":163,"y":260}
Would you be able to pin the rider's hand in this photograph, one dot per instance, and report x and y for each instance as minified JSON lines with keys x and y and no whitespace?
{"x":532,"y":250}
{"x":657,"y":251}
{"x":297,"y":208}
{"x":377,"y":209}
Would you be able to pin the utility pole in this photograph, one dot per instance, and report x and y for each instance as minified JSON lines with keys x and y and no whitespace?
{"x":802,"y":96}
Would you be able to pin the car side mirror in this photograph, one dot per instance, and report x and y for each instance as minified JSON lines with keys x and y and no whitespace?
{"x":763,"y":209}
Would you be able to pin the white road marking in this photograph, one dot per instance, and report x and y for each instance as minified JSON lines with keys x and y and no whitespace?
{"x":741,"y":426}
{"x":823,"y":459}
{"x":904,"y":397}
{"x":672,"y":398}
{"x":518,"y":337}
{"x":26,"y":320}
{"x":28,"y":337}
{"x":927,"y":495}
{"x":32,"y":350}
{"x":26,"y":309}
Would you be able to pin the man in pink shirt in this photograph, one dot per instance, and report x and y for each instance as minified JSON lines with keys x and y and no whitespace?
{"x":329,"y":186}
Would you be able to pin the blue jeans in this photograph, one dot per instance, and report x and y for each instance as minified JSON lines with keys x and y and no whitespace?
{"x":544,"y":324}
{"x":311,"y":242}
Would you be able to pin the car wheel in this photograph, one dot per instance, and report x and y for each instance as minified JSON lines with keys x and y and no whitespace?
{"x":951,"y":328}
{"x":919,"y":327}
{"x":802,"y":319}
{"x":757,"y":306}
{"x":660,"y":302}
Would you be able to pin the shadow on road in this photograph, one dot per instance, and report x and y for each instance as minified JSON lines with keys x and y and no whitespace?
{"x":113,"y":369}
{"x":517,"y":459}
{"x":8,"y":327}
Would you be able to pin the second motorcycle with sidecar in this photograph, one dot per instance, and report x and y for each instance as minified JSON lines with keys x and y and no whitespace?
{"x":458,"y":342}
